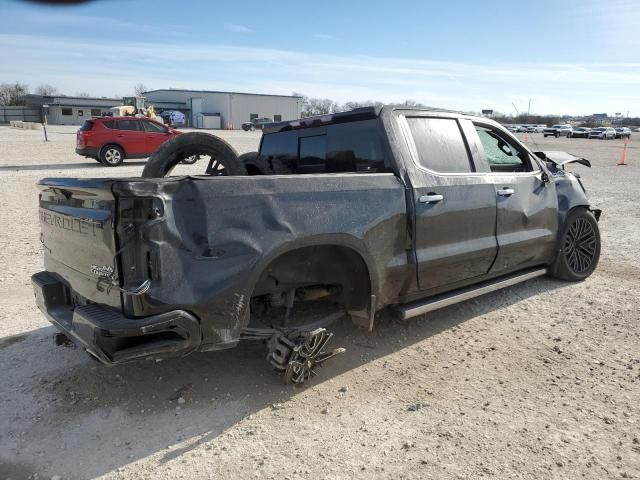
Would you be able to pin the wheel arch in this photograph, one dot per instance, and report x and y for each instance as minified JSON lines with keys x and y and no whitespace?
{"x":121,"y":147}
{"x":320,"y":262}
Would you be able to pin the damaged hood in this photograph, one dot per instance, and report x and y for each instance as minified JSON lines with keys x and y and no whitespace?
{"x":560,"y":159}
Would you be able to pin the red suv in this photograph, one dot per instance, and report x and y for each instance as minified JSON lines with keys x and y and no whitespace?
{"x":110,"y":140}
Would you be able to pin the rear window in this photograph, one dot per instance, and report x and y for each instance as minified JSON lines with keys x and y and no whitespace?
{"x":337,"y":148}
{"x":313,"y":154}
{"x":86,"y":126}
{"x":439,"y":144}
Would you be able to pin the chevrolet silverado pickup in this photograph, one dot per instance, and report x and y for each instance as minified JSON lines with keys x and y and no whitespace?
{"x":341,"y":215}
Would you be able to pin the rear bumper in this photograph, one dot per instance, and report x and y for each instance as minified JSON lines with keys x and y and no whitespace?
{"x":91,"y":152}
{"x":107,"y":334}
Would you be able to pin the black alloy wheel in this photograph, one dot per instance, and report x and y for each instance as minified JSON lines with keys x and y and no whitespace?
{"x":580,"y":245}
{"x":579,"y":249}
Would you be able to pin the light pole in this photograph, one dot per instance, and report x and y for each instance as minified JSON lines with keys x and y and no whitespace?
{"x":44,"y":125}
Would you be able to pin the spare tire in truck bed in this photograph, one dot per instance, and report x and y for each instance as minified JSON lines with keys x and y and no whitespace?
{"x":224,"y":159}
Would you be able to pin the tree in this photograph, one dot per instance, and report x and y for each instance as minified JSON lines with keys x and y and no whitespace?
{"x":12,"y":94}
{"x":46,"y":89}
{"x":321,"y":106}
{"x":139,"y":89}
{"x":365,"y":103}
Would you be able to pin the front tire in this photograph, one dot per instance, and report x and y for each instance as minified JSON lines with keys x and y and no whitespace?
{"x":579,"y":247}
{"x":111,"y":155}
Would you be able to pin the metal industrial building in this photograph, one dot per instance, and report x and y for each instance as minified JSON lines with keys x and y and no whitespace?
{"x":232,"y":108}
{"x":63,"y":110}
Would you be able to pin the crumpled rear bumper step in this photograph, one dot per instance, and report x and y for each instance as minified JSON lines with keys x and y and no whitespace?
{"x":107,"y":334}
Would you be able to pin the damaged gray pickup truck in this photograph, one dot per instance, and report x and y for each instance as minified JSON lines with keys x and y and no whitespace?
{"x":345,"y":214}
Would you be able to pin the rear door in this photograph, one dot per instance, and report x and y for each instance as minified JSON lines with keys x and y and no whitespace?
{"x":155,"y":135}
{"x":527,"y":218}
{"x":131,"y":136}
{"x":455,"y":205}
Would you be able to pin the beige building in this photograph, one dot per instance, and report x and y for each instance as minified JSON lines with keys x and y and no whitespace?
{"x":233,"y":108}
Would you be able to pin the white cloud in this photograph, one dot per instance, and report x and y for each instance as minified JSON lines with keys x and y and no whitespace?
{"x":234,"y":27}
{"x":104,"y":68}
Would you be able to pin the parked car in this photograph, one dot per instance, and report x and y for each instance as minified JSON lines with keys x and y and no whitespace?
{"x":538,"y":129}
{"x":623,"y":132}
{"x":110,"y":140}
{"x":581,"y":132}
{"x":173,"y":117}
{"x":603,"y":133}
{"x":257,"y":124}
{"x":152,"y":267}
{"x":558,"y":131}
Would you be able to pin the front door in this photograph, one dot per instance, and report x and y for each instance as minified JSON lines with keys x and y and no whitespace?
{"x":455,"y":206}
{"x":155,"y":135}
{"x":527,"y":202}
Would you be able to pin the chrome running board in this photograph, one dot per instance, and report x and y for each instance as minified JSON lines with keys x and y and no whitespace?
{"x":420,"y":307}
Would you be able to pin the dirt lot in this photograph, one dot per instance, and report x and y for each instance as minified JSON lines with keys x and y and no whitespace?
{"x":541,"y":380}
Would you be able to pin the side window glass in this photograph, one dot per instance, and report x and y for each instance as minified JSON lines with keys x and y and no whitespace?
{"x":313,"y":154}
{"x":502,"y":155}
{"x":440,"y":145}
{"x":133,"y":125}
{"x":153,"y":127}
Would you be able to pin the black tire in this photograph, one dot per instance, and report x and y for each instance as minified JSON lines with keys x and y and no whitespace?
{"x":579,"y":250}
{"x":557,"y":135}
{"x":111,"y":155}
{"x":252,"y":163}
{"x":224,"y":159}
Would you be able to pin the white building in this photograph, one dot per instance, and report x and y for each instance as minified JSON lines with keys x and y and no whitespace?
{"x":233,"y":108}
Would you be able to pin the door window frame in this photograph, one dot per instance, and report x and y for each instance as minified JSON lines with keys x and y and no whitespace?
{"x":413,"y":149}
{"x":513,"y":142}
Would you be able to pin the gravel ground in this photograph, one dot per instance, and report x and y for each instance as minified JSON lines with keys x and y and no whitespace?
{"x":541,"y":380}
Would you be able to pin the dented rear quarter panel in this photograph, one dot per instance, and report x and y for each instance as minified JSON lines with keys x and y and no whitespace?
{"x":217,"y":235}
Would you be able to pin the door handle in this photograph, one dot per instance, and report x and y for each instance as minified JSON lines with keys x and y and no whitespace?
{"x":431,"y":198}
{"x":506,"y":192}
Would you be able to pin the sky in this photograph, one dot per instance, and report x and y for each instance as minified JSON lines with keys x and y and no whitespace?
{"x":566,"y":57}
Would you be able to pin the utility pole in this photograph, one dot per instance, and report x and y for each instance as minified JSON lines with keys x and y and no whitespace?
{"x":528,"y":110}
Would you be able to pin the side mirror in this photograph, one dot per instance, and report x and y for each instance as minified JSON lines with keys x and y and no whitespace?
{"x":544,"y":178}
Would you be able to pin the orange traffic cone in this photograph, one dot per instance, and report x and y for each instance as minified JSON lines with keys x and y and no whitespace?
{"x":623,"y":157}
{"x":526,"y":138}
